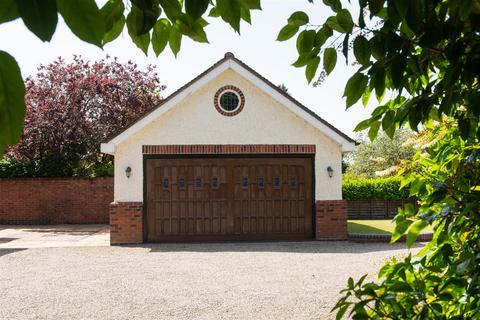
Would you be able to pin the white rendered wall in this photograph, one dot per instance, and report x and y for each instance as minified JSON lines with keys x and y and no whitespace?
{"x":196,"y":121}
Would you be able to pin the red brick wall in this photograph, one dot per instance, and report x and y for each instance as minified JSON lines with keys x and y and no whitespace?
{"x":55,"y":200}
{"x":331,"y":220}
{"x":126,"y":222}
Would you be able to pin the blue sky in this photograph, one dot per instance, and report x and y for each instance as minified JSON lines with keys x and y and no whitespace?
{"x":256,"y":46}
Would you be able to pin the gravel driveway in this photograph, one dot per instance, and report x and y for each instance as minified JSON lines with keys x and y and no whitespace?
{"x":270,"y":280}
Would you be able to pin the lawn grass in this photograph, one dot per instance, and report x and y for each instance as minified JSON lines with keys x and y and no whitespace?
{"x":375,"y":227}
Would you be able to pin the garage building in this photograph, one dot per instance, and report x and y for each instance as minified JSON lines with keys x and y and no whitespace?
{"x":229,"y":156}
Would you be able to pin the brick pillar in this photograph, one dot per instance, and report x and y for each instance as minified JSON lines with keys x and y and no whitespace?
{"x":331,"y":220}
{"x":126,"y":222}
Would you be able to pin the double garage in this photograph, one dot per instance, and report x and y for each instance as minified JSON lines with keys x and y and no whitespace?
{"x":228,"y":156}
{"x":229,"y":198}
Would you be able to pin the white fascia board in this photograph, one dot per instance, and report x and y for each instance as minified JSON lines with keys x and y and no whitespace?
{"x":107,"y":148}
{"x":171,"y":103}
{"x":345,"y":144}
{"x":348,"y":147}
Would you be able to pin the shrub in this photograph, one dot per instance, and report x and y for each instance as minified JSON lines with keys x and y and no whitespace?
{"x":48,"y":167}
{"x":377,"y":188}
{"x":71,"y":108}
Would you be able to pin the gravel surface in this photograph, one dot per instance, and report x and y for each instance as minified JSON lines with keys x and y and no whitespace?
{"x":270,"y":280}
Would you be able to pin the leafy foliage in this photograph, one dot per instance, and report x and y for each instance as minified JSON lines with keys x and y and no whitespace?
{"x":71,"y":109}
{"x":442,"y":282}
{"x":155,"y":22}
{"x":382,"y":156}
{"x":378,"y":188}
{"x":424,"y":55}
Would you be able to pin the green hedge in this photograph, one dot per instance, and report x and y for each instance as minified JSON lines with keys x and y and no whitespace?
{"x":46,"y":168}
{"x":378,"y":188}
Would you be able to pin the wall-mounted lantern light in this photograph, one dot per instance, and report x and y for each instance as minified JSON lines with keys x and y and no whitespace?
{"x":330,"y":171}
{"x":128,"y":171}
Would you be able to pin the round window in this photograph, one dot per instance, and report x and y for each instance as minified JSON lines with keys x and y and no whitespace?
{"x":229,"y":101}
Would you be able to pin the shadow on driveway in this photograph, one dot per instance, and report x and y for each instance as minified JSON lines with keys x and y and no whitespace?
{"x":334,"y":247}
{"x":48,"y":236}
{"x":4,"y":252}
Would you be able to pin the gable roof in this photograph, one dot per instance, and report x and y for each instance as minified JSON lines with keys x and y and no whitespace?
{"x":229,"y":61}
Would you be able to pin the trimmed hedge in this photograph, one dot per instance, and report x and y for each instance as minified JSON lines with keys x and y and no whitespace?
{"x":377,"y":188}
{"x":47,"y":168}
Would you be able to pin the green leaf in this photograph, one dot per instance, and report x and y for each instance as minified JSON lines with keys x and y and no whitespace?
{"x":230,"y":13}
{"x":142,"y":42}
{"x":172,"y":8}
{"x":332,"y":23}
{"x":375,"y":6}
{"x":341,"y":312}
{"x":298,"y":18}
{"x":311,"y":69}
{"x":366,"y":97}
{"x":161,"y":35}
{"x":251,"y":4}
{"x":175,"y":41}
{"x":414,"y":15}
{"x":40,"y":17}
{"x":287,"y":32}
{"x":245,"y":15}
{"x":193,"y":29}
{"x":214,"y":13}
{"x":388,"y":123}
{"x":335,"y":5}
{"x":361,"y":49}
{"x":115,"y":31}
{"x":414,"y":230}
{"x":402,"y":7}
{"x":141,"y":21}
{"x":196,"y":8}
{"x":350,"y":283}
{"x":355,"y":87}
{"x":84,"y":19}
{"x":303,"y":59}
{"x":416,"y":186}
{"x":378,"y":79}
{"x":399,"y":63}
{"x":345,"y":21}
{"x":322,"y":35}
{"x":362,"y":125}
{"x":372,"y":133}
{"x":305,"y":41}
{"x":8,"y":11}
{"x":12,"y":101}
{"x":400,"y":287}
{"x":399,"y":230}
{"x":112,"y":14}
{"x":329,"y":59}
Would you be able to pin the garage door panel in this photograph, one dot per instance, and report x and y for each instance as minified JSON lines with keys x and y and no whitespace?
{"x":229,"y":198}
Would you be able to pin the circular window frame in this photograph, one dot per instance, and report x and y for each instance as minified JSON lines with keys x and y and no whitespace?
{"x":236,"y":91}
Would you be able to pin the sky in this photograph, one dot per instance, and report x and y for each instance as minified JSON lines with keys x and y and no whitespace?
{"x":256,"y":46}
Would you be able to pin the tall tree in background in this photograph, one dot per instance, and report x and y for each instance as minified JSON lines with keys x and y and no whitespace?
{"x":384,"y":156}
{"x":72,"y":107}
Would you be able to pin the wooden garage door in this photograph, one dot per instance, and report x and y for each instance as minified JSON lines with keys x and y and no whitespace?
{"x":229,"y":199}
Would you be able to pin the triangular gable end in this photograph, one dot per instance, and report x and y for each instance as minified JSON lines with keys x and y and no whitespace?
{"x":230,"y":62}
